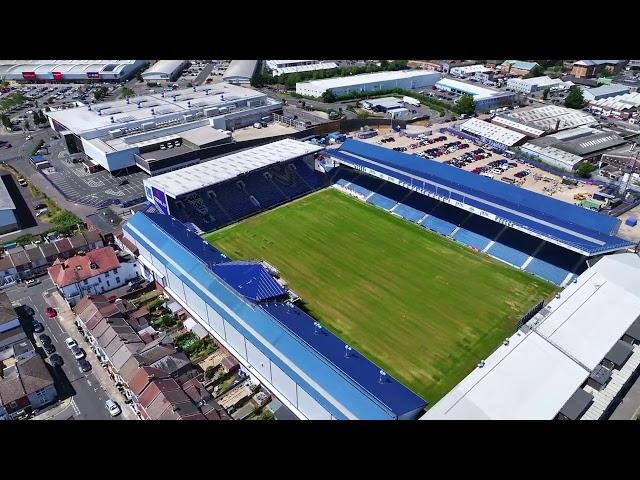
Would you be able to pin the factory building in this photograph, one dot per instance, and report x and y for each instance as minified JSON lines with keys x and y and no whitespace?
{"x":69,"y":70}
{"x":591,"y":68}
{"x":531,"y":85}
{"x":536,"y":122}
{"x":605,"y":91}
{"x":484,"y":98}
{"x":150,"y":130}
{"x":166,"y":70}
{"x":369,"y":82}
{"x":283,"y":67}
{"x":240,"y":72}
{"x":517,"y":68}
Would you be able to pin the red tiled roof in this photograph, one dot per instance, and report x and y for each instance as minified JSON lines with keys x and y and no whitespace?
{"x":143,"y":377}
{"x":155,"y":388}
{"x":130,"y":245}
{"x":78,"y":267}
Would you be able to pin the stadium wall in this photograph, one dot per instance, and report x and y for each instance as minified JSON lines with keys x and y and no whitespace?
{"x":229,"y":320}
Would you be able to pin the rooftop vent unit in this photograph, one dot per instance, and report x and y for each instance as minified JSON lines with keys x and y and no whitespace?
{"x":481,"y":364}
{"x":90,"y":107}
{"x":148,"y":125}
{"x":506,"y":342}
{"x":153,"y":111}
{"x":189,"y":104}
{"x":194,"y":88}
{"x":128,"y":100}
{"x":112,"y":119}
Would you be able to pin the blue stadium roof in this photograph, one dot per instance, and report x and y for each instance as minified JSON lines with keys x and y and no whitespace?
{"x":250,"y":279}
{"x":202,"y":249}
{"x":289,"y":332}
{"x":559,"y":222}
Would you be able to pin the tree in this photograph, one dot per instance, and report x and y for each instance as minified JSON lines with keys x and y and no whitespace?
{"x":575,"y":99}
{"x":585,"y":169}
{"x":100,"y":93}
{"x":328,"y":97}
{"x":545,"y":93}
{"x":5,"y":121}
{"x":605,"y":74}
{"x":126,"y":92}
{"x":466,"y":105}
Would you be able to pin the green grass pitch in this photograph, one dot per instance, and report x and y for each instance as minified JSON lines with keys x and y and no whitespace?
{"x":419,"y":305}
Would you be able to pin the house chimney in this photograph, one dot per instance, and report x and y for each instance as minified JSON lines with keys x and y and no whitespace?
{"x":151,"y":376}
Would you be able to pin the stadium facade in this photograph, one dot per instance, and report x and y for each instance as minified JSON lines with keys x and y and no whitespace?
{"x":243,"y":306}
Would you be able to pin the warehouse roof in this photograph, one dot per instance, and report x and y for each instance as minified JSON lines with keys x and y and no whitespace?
{"x":577,"y":404}
{"x":492,"y":132}
{"x":363,"y":78}
{"x":546,"y":118}
{"x":476,"y":91}
{"x":240,"y":68}
{"x":62,"y":66}
{"x":545,"y":149}
{"x":302,"y":68}
{"x":469,"y":69}
{"x":347,"y":387}
{"x":611,"y":90}
{"x":520,"y":64}
{"x":593,"y":143}
{"x":6,"y":203}
{"x":538,"y":371}
{"x":167,"y":67}
{"x":556,"y":221}
{"x":589,"y":63}
{"x":220,"y":169}
{"x":619,"y":102}
{"x":153,"y":107}
{"x":542,"y":81}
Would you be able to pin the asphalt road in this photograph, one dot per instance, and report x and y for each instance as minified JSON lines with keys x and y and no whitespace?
{"x":202,"y":76}
{"x":88,"y":396}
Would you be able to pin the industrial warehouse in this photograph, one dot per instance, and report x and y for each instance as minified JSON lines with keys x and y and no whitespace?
{"x":167,"y":70}
{"x":120,"y":134}
{"x":283,"y":67}
{"x":407,"y":79}
{"x":484,"y":98}
{"x":69,"y":70}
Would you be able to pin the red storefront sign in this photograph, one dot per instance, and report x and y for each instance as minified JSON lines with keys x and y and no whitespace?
{"x":29,"y":75}
{"x":57,"y":75}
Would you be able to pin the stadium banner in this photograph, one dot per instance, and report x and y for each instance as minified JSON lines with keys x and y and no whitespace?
{"x":160,"y":200}
{"x":57,"y":75}
{"x":93,"y":75}
{"x":29,"y":75}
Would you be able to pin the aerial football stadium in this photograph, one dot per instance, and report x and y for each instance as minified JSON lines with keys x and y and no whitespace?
{"x":358,"y":282}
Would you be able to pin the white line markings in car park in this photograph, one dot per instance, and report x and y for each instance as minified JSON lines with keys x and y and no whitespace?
{"x":76,"y":410}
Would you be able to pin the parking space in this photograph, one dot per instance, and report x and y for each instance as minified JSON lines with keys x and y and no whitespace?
{"x":92,"y":189}
{"x":479,"y":159}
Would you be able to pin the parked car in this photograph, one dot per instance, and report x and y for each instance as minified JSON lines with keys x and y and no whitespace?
{"x":32,"y":282}
{"x":37,"y":327}
{"x":49,"y":348}
{"x":51,"y":312}
{"x":44,"y":338}
{"x":56,"y":360}
{"x":70,"y":343}
{"x":39,"y":206}
{"x":113,"y":408}
{"x":78,"y":353}
{"x":83,"y":365}
{"x":28,"y":310}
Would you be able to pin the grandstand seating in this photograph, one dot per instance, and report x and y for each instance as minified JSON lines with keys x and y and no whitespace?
{"x":554,"y":263}
{"x":263,"y":190}
{"x":309,"y":176}
{"x":444,"y":219}
{"x":408,"y":213}
{"x":514,"y":247}
{"x":388,"y":195}
{"x":478,"y":232}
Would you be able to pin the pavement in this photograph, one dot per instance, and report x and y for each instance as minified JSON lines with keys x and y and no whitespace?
{"x":81,"y":395}
{"x":204,"y":73}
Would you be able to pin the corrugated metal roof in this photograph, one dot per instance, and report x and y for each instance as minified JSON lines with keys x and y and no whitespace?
{"x":250,"y":279}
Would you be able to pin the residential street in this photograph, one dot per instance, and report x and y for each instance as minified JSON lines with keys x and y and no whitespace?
{"x":81,"y":394}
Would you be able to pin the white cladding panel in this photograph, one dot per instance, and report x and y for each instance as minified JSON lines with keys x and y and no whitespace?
{"x":311,"y":409}
{"x":175,"y":284}
{"x":284,"y":384}
{"x":235,"y":339}
{"x":215,"y":321}
{"x":258,"y":359}
{"x":195,"y":302}
{"x":158,"y":264}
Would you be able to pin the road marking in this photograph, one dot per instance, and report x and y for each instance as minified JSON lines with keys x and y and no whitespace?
{"x":76,"y":410}
{"x":89,"y":382}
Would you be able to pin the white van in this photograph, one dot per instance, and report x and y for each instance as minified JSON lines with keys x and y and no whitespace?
{"x":485,"y":174}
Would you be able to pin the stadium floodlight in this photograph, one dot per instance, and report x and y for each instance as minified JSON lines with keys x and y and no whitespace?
{"x":347,"y":349}
{"x":383,"y":375}
{"x":316,"y":327}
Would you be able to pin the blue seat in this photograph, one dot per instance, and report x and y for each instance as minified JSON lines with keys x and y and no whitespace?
{"x":554,"y":263}
{"x":477,"y":232}
{"x":408,"y":213}
{"x":514,"y":247}
{"x":438,"y":225}
{"x":381,"y":201}
{"x":262,"y":189}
